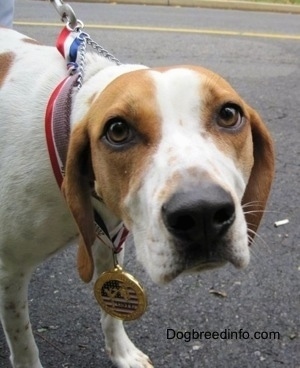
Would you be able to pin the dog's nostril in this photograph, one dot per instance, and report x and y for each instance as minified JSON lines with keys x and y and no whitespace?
{"x":183,"y":223}
{"x":224,"y":215}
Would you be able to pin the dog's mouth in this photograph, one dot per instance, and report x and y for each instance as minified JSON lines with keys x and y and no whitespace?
{"x":199,"y":264}
{"x":197,"y":261}
{"x":198,"y":267}
{"x":207,"y":265}
{"x":219,"y":260}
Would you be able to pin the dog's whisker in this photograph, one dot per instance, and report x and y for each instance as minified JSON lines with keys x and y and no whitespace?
{"x":264,"y":211}
{"x":258,"y":238}
{"x":253,"y":203}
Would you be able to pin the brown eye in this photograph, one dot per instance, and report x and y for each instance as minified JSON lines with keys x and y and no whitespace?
{"x":230,"y":116}
{"x":118,"y":132}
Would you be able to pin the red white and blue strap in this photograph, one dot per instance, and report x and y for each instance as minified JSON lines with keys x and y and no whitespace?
{"x":68,"y":44}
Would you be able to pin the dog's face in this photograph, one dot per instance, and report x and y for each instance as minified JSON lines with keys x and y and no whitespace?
{"x":182,"y":160}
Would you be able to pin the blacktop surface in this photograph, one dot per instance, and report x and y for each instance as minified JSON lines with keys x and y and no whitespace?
{"x":211,"y":4}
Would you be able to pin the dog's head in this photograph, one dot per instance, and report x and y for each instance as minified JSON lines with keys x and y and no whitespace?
{"x":182,"y":160}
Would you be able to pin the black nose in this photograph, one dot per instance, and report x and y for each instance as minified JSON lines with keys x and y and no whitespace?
{"x":199,"y":215}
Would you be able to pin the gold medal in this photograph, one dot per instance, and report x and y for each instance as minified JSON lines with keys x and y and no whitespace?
{"x":120,"y":294}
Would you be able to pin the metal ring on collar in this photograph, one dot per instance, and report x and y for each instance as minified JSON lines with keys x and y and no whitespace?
{"x":66,"y":12}
{"x":79,"y":25}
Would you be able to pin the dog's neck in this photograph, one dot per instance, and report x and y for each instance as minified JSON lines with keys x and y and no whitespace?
{"x":111,"y":221}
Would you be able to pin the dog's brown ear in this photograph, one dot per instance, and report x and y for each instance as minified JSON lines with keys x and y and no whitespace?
{"x":77,"y":191}
{"x":260,"y":181}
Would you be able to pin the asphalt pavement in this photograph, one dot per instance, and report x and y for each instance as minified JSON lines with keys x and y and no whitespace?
{"x":259,"y":54}
{"x":273,"y":6}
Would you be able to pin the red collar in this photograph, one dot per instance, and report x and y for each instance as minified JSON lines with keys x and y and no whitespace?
{"x":57,"y":125}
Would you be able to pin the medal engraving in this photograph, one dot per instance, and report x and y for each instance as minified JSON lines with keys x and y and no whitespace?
{"x":120,"y":295}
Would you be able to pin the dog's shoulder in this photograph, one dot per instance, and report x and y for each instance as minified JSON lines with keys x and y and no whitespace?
{"x":15,"y":42}
{"x":26,"y":59}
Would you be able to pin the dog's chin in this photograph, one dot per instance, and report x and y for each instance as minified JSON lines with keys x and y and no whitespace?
{"x":200,"y":267}
{"x":237,"y":259}
{"x":205,"y":266}
{"x":199,"y":259}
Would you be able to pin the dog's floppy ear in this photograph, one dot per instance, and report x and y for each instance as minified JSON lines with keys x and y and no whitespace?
{"x":77,"y":190}
{"x":260,"y":181}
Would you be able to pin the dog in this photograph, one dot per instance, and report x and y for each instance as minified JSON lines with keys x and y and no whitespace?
{"x":174,"y":153}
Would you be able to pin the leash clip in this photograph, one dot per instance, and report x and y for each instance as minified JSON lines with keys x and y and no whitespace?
{"x":67,"y":14}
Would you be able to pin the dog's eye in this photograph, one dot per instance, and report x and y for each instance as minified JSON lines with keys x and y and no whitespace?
{"x":230,"y":116}
{"x":118,"y":132}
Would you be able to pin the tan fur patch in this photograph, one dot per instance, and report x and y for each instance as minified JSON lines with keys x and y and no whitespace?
{"x":30,"y":40}
{"x":262,"y":173}
{"x":235,"y":143}
{"x":131,"y":98}
{"x":6,"y":61}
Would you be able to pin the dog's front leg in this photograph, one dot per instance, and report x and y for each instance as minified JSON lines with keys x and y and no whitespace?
{"x":121,"y":350}
{"x":119,"y":347}
{"x":15,"y":318}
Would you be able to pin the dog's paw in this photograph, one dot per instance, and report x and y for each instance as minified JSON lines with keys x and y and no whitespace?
{"x":135,"y":359}
{"x":124,"y":354}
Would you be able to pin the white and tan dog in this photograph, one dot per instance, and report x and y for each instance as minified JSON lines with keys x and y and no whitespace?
{"x":174,"y":153}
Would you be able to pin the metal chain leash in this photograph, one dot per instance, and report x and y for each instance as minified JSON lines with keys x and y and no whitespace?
{"x":101,"y":50}
{"x":81,"y":62}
